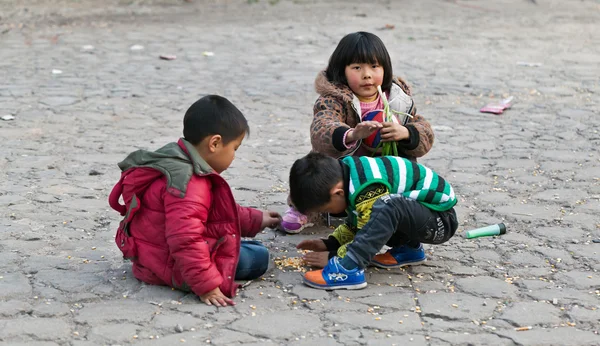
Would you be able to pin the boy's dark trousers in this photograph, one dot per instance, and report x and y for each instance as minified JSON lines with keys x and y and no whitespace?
{"x":397,"y":220}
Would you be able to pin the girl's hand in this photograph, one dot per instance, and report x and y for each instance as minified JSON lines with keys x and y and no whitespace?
{"x":270,"y":219}
{"x":216,"y":297}
{"x":363,"y":130}
{"x":393,"y":132}
{"x":317,"y":259}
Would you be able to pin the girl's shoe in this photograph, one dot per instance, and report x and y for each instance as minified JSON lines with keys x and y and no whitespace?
{"x":293,"y":222}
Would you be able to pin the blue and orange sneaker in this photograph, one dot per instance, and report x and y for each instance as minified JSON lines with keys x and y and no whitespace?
{"x":399,"y":257}
{"x":335,"y":277}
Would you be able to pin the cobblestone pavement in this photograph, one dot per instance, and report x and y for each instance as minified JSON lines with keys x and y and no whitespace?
{"x":80,"y":109}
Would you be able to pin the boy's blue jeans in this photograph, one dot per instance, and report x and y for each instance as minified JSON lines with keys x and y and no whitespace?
{"x":254,"y":260}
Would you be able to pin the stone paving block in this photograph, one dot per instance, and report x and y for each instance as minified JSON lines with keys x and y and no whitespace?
{"x":69,"y":280}
{"x":555,"y":256}
{"x":437,"y":324}
{"x":193,"y":338}
{"x":456,"y":306}
{"x":580,"y":279}
{"x":527,"y":212}
{"x":305,"y":292}
{"x":315,"y":341}
{"x":334,"y":306}
{"x":7,"y":200}
{"x":116,"y":310}
{"x":14,"y":307}
{"x":114,"y":333}
{"x":579,"y":251}
{"x":531,"y":313}
{"x":228,"y":337}
{"x":52,"y":329}
{"x":158,"y":294}
{"x":51,"y":309}
{"x":397,"y":340}
{"x":296,"y":322}
{"x":486,"y":287}
{"x":14,"y":285}
{"x":526,"y":259}
{"x":349,"y":337}
{"x":387,"y":321}
{"x":586,"y":315}
{"x":464,"y":270}
{"x":461,"y":339}
{"x":402,"y":300}
{"x":567,"y":336}
{"x":565,"y":296}
{"x":370,"y":291}
{"x":29,"y":343}
{"x":533,"y":285}
{"x":171,"y":321}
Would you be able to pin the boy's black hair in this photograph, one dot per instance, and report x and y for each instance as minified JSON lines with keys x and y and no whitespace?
{"x":213,"y":115}
{"x":362,"y":48}
{"x":311,"y":180}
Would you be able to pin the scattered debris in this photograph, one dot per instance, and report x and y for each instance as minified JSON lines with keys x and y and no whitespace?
{"x":529,"y":64}
{"x":179,"y":328}
{"x":522,"y":329}
{"x":208,"y":53}
{"x":555,"y":301}
{"x":7,"y":117}
{"x":296,"y":263}
{"x":55,"y":71}
{"x":168,"y":57}
{"x":596,"y":240}
{"x":387,"y":27}
{"x":136,"y":47}
{"x":87,"y":48}
{"x":95,"y":172}
{"x":497,"y":108}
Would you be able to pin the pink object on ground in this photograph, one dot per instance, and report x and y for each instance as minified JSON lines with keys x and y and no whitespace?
{"x":497,"y":108}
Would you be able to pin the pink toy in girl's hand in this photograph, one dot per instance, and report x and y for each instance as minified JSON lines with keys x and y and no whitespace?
{"x":375,"y":115}
{"x":374,"y":139}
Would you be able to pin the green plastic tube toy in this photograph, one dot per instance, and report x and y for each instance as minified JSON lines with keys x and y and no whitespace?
{"x":487,"y":231}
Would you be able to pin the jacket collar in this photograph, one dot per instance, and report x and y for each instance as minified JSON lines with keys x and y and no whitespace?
{"x":199,"y":164}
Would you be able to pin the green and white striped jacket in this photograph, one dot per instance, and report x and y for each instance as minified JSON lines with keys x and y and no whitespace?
{"x":400,"y":176}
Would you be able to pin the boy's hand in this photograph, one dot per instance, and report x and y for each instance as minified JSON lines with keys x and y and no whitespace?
{"x":270,"y":219}
{"x":216,"y":297}
{"x":393,"y":132}
{"x":317,"y":259}
{"x":363,"y":130}
{"x":312,"y":245}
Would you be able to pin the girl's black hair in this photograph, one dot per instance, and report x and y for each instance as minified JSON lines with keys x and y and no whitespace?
{"x":362,"y":48}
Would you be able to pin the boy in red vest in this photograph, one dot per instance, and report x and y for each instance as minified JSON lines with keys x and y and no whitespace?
{"x":182,"y":227}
